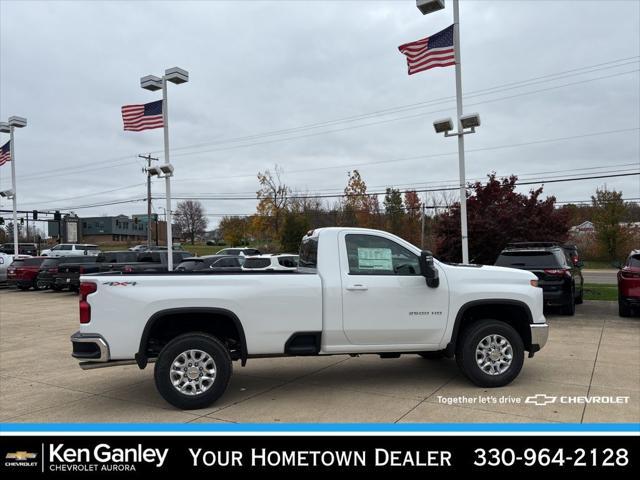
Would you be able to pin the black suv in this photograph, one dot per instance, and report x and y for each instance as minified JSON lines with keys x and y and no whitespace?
{"x":23,"y":249}
{"x":558,"y":274}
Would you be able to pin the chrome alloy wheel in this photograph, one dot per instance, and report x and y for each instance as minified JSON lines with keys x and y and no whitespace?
{"x":193,"y":372}
{"x":494,"y":354}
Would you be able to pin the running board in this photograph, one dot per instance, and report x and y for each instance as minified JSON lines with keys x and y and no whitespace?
{"x":114,"y":363}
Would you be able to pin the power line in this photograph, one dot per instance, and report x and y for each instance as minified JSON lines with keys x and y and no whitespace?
{"x":422,"y":104}
{"x":119,"y":161}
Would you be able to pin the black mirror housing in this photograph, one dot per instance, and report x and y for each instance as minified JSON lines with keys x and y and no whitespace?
{"x":428,"y":270}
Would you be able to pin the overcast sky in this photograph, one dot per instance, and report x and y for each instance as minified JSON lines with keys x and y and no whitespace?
{"x":258,"y":67}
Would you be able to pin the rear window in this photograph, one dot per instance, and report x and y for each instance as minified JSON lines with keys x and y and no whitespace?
{"x":78,"y":259}
{"x":190,"y":265}
{"x":118,"y":257}
{"x":257,"y":262}
{"x":32,"y":262}
{"x":634,"y":261}
{"x":289,"y":262}
{"x":529,"y":259}
{"x":309,"y":253}
{"x":17,"y":263}
{"x":50,"y":262}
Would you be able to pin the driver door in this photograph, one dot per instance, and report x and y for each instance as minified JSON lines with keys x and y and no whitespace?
{"x":385,"y":298}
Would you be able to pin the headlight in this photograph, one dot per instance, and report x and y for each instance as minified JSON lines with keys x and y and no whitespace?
{"x":534,"y":283}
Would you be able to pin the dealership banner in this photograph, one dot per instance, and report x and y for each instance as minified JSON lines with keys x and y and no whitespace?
{"x":60,"y":455}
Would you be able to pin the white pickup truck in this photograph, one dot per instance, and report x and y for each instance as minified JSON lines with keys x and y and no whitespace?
{"x":356,"y":291}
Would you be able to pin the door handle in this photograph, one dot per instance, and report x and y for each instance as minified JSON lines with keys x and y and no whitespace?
{"x":357,"y":286}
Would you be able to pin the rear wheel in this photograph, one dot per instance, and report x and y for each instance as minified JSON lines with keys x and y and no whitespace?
{"x":490,"y":353}
{"x":570,"y":308}
{"x":193,"y":371}
{"x":624,"y":310}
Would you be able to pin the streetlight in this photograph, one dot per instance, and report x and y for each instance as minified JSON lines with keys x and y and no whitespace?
{"x":8,"y":127}
{"x":152,"y":83}
{"x":466,"y":123}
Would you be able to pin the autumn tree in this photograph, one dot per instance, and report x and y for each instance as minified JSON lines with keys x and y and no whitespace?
{"x":393,"y":210}
{"x":608,"y":214}
{"x":273,"y":199}
{"x":497,"y":215}
{"x":412,"y":231}
{"x":295,"y":226}
{"x":190,"y":219}
{"x":359,"y":208}
{"x":234,"y":230}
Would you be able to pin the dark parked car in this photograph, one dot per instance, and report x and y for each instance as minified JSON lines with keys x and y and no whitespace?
{"x":23,"y":272}
{"x":216,"y":263}
{"x":242,"y":251}
{"x":49,"y":270}
{"x":23,"y":249}
{"x":153,"y":261}
{"x":68,"y":274}
{"x":560,"y":279}
{"x":629,"y":285}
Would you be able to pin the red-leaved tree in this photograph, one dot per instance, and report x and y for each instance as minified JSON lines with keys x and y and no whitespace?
{"x":497,"y":215}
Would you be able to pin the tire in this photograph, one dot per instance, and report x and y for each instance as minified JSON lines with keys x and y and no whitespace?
{"x":623,"y":309}
{"x":470,"y":342}
{"x":435,"y":355}
{"x":570,"y":308}
{"x":177,"y":349}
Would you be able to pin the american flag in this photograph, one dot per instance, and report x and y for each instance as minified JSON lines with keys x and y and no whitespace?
{"x":142,"y":117}
{"x":5,"y":153}
{"x":434,"y":51}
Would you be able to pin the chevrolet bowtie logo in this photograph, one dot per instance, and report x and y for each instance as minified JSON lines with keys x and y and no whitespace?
{"x":541,"y":399}
{"x":21,"y":455}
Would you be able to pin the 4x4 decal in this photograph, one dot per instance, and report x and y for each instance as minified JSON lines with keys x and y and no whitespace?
{"x":120,"y":284}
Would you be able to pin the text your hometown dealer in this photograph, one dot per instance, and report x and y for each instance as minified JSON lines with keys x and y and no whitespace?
{"x":103,"y":453}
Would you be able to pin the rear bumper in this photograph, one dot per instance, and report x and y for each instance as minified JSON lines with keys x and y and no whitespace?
{"x":556,"y":298}
{"x":90,"y":347}
{"x":539,"y":336}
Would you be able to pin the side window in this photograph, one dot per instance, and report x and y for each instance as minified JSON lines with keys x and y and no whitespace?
{"x":372,"y":255}
{"x":66,"y":247}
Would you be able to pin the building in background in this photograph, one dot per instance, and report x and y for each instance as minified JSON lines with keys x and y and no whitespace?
{"x":109,"y":229}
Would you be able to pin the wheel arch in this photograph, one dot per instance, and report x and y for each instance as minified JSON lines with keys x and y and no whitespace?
{"x":208,"y":319}
{"x":513,"y":312}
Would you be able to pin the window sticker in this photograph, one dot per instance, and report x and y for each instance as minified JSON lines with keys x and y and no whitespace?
{"x":375,"y":259}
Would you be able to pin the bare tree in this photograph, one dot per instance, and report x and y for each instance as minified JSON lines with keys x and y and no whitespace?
{"x":190,"y":219}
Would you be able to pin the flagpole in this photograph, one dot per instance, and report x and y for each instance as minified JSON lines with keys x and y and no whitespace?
{"x":13,"y":187}
{"x":461,"y":162}
{"x":165,"y":115}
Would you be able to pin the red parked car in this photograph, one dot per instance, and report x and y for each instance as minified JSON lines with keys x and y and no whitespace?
{"x":24,"y":271}
{"x":629,"y":285}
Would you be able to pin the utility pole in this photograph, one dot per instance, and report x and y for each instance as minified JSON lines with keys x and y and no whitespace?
{"x":422,"y":211}
{"x":148,"y":158}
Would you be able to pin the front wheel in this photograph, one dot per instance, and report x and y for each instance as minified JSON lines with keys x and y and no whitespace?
{"x":490,"y":353}
{"x":193,"y":371}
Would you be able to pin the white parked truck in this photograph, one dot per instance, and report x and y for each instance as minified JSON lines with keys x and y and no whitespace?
{"x":356,"y":291}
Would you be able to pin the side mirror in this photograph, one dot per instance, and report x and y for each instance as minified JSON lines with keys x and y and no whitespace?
{"x":428,"y":270}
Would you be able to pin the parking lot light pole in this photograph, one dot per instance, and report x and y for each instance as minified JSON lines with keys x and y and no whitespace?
{"x":8,"y":127}
{"x":441,"y":126}
{"x":175,"y":75}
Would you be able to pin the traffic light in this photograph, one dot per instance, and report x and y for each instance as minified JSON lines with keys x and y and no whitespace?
{"x":1,"y":221}
{"x":135,"y":220}
{"x":21,"y":220}
{"x":56,"y":216}
{"x":35,"y":214}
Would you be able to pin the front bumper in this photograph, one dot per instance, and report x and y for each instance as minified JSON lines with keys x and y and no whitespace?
{"x":539,"y":336}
